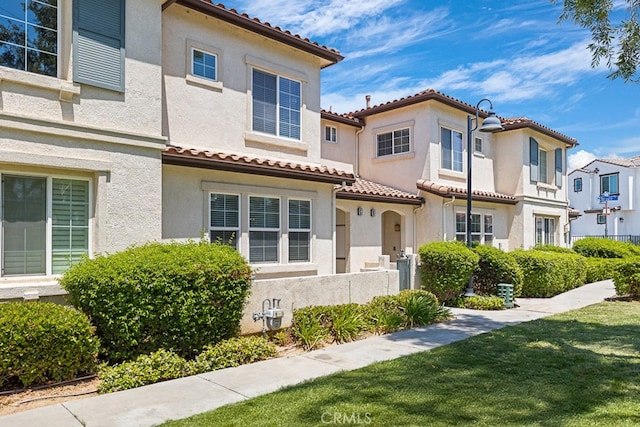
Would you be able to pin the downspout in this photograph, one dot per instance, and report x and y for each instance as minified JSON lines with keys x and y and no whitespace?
{"x":356,"y":166}
{"x":444,"y":216}
{"x":333,"y":222}
{"x":415,"y":226}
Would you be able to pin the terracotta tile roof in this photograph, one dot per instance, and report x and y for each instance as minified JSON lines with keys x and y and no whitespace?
{"x":521,"y":122}
{"x":179,"y":156}
{"x":447,"y":191}
{"x":375,"y":192}
{"x":347,"y":119}
{"x":432,"y":94}
{"x":243,"y":20}
{"x":573,"y":213}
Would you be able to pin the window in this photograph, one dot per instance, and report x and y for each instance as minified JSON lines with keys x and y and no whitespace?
{"x":264,"y":229}
{"x":29,"y":35}
{"x":330,"y":134}
{"x":478,"y":145}
{"x":394,"y":142}
{"x":609,"y":183}
{"x":577,"y":185}
{"x":35,"y":206}
{"x":451,"y":144}
{"x":224,"y":219}
{"x":481,"y":230}
{"x":276,"y":105}
{"x":299,"y":230}
{"x":543,"y":175}
{"x":601,"y":219}
{"x":545,"y":230}
{"x":204,"y":64}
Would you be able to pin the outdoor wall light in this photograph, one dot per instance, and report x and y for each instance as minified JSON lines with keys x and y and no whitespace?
{"x":621,"y":219}
{"x":490,"y":124}
{"x":372,"y":212}
{"x":359,"y":211}
{"x":396,"y":227}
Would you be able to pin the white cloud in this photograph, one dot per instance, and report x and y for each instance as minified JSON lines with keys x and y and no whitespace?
{"x":579,"y":159}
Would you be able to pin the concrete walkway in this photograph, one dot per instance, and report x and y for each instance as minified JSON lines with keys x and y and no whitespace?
{"x":181,"y":398}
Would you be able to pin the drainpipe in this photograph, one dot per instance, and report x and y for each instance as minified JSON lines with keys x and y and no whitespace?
{"x":415,"y":226}
{"x":356,"y":166}
{"x":444,"y":216}
{"x":333,"y":222}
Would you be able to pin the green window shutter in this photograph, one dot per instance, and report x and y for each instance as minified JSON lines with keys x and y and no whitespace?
{"x":533,"y":160}
{"x":559,"y":167}
{"x":98,"y":43}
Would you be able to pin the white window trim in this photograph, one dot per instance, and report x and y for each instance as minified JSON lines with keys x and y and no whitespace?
{"x":393,"y":146}
{"x":301,"y":230}
{"x":483,"y":233}
{"x":451,"y":129}
{"x":279,"y":230}
{"x":237,"y":229}
{"x":49,"y":218}
{"x":556,"y":222}
{"x":333,"y":134}
{"x":198,"y":80}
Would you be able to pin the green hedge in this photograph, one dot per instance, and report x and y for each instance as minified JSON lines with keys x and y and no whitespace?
{"x":549,"y":273}
{"x":163,"y":365}
{"x":554,"y":248}
{"x":605,"y":248}
{"x":445,"y":268}
{"x":480,"y":302}
{"x":601,"y":268}
{"x":626,"y":277}
{"x":496,"y":266}
{"x":42,"y":342}
{"x":175,"y":296}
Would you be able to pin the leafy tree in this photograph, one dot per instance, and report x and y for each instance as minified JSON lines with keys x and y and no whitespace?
{"x":617,"y":42}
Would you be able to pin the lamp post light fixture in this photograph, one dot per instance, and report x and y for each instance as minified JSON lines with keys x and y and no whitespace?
{"x":490,"y":124}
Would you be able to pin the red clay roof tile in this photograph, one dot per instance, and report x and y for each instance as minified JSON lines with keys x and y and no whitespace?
{"x":373,"y":191}
{"x":448,"y":191}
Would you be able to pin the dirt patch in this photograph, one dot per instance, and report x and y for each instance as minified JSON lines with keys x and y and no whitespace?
{"x":31,"y":399}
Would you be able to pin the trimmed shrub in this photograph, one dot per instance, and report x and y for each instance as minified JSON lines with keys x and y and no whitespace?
{"x":158,"y":366}
{"x":554,"y":248}
{"x":42,"y":342}
{"x":445,"y":268}
{"x":605,"y":248}
{"x":175,"y":296}
{"x":549,"y":273}
{"x":601,"y":268}
{"x":626,"y":277}
{"x":480,"y":302}
{"x":496,"y":266}
{"x":234,"y":352}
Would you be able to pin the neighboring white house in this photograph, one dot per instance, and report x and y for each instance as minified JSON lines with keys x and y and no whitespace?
{"x":615,"y":215}
{"x":417,"y":145}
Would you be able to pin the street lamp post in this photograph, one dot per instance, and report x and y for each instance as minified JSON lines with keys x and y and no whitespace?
{"x":490,"y":124}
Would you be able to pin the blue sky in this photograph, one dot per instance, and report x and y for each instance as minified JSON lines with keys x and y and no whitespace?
{"x":513,"y":52}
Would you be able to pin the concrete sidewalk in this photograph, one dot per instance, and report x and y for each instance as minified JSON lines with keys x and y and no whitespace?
{"x":181,"y":398}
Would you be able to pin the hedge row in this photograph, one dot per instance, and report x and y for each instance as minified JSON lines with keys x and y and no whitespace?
{"x":550,"y":273}
{"x":41,"y":342}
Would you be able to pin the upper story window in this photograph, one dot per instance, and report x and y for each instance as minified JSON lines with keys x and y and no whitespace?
{"x":393,"y":142}
{"x":204,"y":64}
{"x":29,"y":35}
{"x":451,"y":145}
{"x":276,"y":105}
{"x":478,"y":146}
{"x":539,"y":159}
{"x":543,"y":168}
{"x":609,"y":183}
{"x":577,"y":185}
{"x":331,"y":134}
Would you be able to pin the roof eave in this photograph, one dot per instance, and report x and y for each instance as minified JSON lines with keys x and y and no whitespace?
{"x":253,"y":169}
{"x":345,"y":195}
{"x":570,"y":142}
{"x":257,"y":27}
{"x":341,"y":119}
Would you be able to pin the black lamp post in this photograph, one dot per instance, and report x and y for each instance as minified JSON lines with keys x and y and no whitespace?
{"x":490,"y":124}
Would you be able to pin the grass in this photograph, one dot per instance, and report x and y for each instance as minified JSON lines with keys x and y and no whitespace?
{"x":581,"y":368}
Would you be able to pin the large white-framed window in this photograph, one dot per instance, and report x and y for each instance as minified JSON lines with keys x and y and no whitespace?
{"x":29,"y":35}
{"x":331,"y":134}
{"x":545,"y":230}
{"x":45,"y":223}
{"x":481,"y":228}
{"x":224,"y":218}
{"x":451,"y":149}
{"x":609,"y":184}
{"x":393,"y":142}
{"x":264,"y":229}
{"x":204,"y":64}
{"x":277,"y":104}
{"x":299,"y":230}
{"x":577,"y":185}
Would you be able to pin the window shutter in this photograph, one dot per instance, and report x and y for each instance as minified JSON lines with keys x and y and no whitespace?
{"x":533,"y":159}
{"x":559,"y":167}
{"x":98,"y":43}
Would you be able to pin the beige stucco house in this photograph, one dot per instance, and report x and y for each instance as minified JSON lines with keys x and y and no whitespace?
{"x":417,"y":145}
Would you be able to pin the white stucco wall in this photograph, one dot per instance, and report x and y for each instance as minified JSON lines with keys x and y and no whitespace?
{"x":186,"y":212}
{"x":217,"y":115}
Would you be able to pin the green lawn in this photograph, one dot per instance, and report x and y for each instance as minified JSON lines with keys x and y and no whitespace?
{"x":580,"y":368}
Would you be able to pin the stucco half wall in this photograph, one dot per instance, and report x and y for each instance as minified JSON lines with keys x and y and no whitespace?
{"x":298,"y":292}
